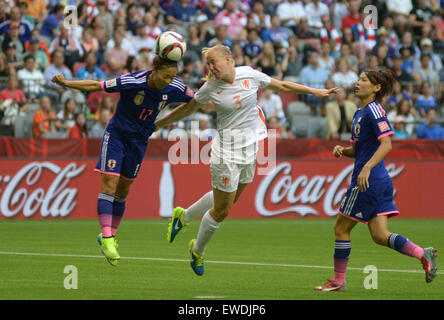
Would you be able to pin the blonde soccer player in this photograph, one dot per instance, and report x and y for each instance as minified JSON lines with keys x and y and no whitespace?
{"x":241,"y":124}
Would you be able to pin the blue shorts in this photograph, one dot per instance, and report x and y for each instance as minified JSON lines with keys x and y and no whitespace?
{"x":120,"y":156}
{"x":375,"y":201}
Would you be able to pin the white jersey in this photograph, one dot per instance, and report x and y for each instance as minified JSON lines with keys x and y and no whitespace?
{"x":241,"y":123}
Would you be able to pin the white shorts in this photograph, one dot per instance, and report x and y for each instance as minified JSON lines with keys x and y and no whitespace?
{"x":227,"y":176}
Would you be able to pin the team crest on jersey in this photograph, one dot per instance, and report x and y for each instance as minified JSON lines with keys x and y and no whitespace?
{"x":111,"y":163}
{"x":357,"y":129}
{"x":111,"y":83}
{"x":245,"y":84}
{"x":139,"y":98}
{"x":225,"y":181}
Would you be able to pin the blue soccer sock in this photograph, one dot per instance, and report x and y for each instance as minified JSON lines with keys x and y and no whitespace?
{"x":119,"y":206}
{"x":342,"y":253}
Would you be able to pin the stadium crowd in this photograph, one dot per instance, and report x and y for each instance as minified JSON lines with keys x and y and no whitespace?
{"x":316,"y":43}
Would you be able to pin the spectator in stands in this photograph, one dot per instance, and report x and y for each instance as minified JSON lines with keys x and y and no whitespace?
{"x":40,"y":56}
{"x":65,"y":117}
{"x":407,"y":54}
{"x":274,"y":124}
{"x":326,"y":61}
{"x":345,"y":54}
{"x":382,"y":41}
{"x":125,"y":41}
{"x":77,"y":95}
{"x":426,"y":74}
{"x":306,"y":36}
{"x":267,"y":62}
{"x":106,"y":103}
{"x":13,"y":37}
{"x":339,"y":10}
{"x":106,"y":17}
{"x":291,"y":12}
{"x":89,"y":41}
{"x":292,"y":65}
{"x":399,"y":131}
{"x":132,"y":65}
{"x":16,"y":20}
{"x":397,"y":95}
{"x":271,"y":105}
{"x":12,"y":62}
{"x":31,"y":79}
{"x":67,"y":44}
{"x":141,"y":40}
{"x":354,"y":16}
{"x":50,"y":25}
{"x":91,"y":70}
{"x":194,"y":44}
{"x":404,"y":108}
{"x":262,"y":19}
{"x":329,"y":34}
{"x":276,"y":34}
{"x":407,"y":42}
{"x":314,"y":10}
{"x":252,"y":47}
{"x":344,"y":77}
{"x":339,"y":114}
{"x":153,"y":29}
{"x":36,"y":9}
{"x":430,"y":129}
{"x":35,"y":33}
{"x":191,"y":75}
{"x":221,"y":37}
{"x":99,"y":127}
{"x":392,"y":38}
{"x":133,"y":17}
{"x":426,"y":45}
{"x":400,"y":11}
{"x":240,"y":58}
{"x":13,"y":92}
{"x":4,"y":15}
{"x":44,"y":119}
{"x":116,"y":57}
{"x":4,"y":69}
{"x":57,"y":66}
{"x":425,"y":101}
{"x":232,"y":17}
{"x":420,"y":16}
{"x":312,"y":75}
{"x":180,"y":12}
{"x":206,"y":33}
{"x":80,"y":129}
{"x":400,"y":75}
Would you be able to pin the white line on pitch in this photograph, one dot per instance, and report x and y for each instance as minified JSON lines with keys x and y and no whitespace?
{"x":262,"y":264}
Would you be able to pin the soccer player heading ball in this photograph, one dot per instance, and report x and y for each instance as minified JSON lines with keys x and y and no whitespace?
{"x":369,"y":198}
{"x":142,"y":95}
{"x":241,"y":124}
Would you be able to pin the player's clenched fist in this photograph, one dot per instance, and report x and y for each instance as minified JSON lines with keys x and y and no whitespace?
{"x":338,"y":151}
{"x":59,"y":79}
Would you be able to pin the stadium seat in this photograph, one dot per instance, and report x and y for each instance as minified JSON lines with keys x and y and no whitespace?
{"x":6,"y":130}
{"x":28,"y":124}
{"x":298,"y":108}
{"x":317,"y":128}
{"x":19,"y":128}
{"x":55,"y":135}
{"x":287,"y":98}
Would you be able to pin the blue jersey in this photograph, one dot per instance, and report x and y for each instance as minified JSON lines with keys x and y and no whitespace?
{"x":139,"y":104}
{"x":369,"y":125}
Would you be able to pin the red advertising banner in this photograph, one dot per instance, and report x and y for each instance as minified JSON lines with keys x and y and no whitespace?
{"x":68,"y":189}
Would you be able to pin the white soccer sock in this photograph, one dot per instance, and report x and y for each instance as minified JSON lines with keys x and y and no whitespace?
{"x":199,"y":208}
{"x":208,"y":226}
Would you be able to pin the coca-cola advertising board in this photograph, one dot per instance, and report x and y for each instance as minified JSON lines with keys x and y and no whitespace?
{"x":68,"y":189}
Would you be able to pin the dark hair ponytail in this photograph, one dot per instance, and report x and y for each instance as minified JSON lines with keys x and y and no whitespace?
{"x":383,"y":77}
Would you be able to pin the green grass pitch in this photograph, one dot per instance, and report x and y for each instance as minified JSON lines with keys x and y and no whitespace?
{"x":264,"y":259}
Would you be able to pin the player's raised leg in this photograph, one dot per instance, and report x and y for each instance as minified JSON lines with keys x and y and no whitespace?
{"x":105,"y":215}
{"x":342,"y":229}
{"x":382,"y":236}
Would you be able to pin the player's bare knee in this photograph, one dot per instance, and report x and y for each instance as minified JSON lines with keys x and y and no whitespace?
{"x":109,"y":184}
{"x":221,"y":214}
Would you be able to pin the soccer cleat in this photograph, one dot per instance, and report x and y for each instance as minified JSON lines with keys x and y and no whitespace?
{"x":331,"y":286}
{"x":196,"y":259}
{"x":176,"y":224}
{"x":429,"y":263}
{"x":108,"y":247}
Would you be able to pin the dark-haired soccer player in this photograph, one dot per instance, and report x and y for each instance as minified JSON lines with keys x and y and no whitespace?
{"x":142,"y":95}
{"x":369,"y":199}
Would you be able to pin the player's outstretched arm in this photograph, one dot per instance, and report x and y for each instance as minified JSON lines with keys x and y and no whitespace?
{"x":83,"y":85}
{"x":179,"y":113}
{"x":288,"y":86}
